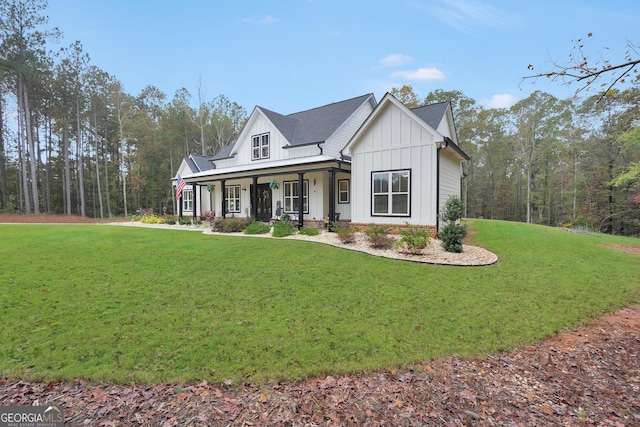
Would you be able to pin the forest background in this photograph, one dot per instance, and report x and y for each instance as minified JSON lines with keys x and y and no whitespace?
{"x":73,"y":141}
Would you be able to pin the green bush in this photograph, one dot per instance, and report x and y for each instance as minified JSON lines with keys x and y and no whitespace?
{"x":170,"y":221}
{"x":10,"y":209}
{"x":257,"y":227}
{"x":309,"y":231}
{"x":414,"y":239}
{"x":346,"y":233}
{"x":283,"y":228}
{"x":452,"y":236}
{"x":378,"y":237}
{"x":453,"y":233}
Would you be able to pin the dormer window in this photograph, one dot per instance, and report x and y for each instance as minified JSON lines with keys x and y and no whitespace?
{"x":260,"y":146}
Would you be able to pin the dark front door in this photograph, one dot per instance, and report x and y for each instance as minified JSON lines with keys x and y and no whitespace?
{"x":263,"y":213}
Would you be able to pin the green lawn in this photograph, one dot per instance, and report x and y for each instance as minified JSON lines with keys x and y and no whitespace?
{"x":126,"y":304}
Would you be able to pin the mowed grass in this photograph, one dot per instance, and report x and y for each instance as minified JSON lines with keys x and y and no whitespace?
{"x":124,"y":304}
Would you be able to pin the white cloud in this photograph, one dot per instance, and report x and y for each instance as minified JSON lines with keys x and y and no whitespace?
{"x":421,"y":74}
{"x":470,"y":16}
{"x":395,"y":60}
{"x":503,"y":100}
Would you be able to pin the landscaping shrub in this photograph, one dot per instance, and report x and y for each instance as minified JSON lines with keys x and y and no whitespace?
{"x":170,"y":221}
{"x":230,"y":225}
{"x":452,"y":236}
{"x":346,"y":233}
{"x":309,"y":231}
{"x":233,"y":225}
{"x":257,"y":227}
{"x":283,"y":228}
{"x":378,"y":237}
{"x":414,"y":239}
{"x":151,"y":219}
{"x":453,"y":233}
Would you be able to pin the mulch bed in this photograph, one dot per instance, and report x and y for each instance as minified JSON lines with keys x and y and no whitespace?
{"x":586,"y":377}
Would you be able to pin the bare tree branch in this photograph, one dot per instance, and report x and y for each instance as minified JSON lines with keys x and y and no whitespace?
{"x":579,"y":69}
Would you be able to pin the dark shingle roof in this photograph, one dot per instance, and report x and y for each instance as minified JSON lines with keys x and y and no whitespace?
{"x":223,"y":154}
{"x":432,"y":114}
{"x":317,"y":124}
{"x":201,"y":162}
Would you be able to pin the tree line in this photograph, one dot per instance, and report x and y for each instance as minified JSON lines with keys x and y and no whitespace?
{"x":572,"y":162}
{"x":73,"y":141}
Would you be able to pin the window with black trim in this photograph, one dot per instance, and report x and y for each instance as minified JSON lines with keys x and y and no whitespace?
{"x":390,"y":193}
{"x":343,"y":191}
{"x":187,"y":199}
{"x":232,"y":198}
{"x":260,"y":147}
{"x":292,"y":196}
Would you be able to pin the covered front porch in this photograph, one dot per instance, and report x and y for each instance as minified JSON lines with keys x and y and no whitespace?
{"x":310,"y":193}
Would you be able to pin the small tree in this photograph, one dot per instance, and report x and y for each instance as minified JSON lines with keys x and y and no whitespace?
{"x":453,"y":232}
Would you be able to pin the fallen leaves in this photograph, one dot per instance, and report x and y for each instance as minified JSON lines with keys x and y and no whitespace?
{"x":589,"y":377}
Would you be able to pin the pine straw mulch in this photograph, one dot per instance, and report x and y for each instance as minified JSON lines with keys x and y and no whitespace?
{"x":586,"y":377}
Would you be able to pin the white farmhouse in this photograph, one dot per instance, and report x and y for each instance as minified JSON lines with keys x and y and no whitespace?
{"x":355,"y":160}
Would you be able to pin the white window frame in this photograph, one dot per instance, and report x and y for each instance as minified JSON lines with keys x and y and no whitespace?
{"x":232,"y":198}
{"x":260,"y":146}
{"x":290,"y":198}
{"x":392,"y":192}
{"x":187,"y":199}
{"x":343,"y":193}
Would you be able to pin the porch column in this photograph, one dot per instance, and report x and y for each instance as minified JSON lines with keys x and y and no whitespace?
{"x":195,"y":199}
{"x":224,"y":199}
{"x":301,"y":199}
{"x":332,"y":196}
{"x":254,"y":199}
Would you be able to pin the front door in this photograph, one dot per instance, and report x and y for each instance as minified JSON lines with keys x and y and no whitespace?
{"x":263,"y":211}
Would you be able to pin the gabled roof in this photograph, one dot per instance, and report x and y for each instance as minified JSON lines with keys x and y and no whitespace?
{"x":198,"y":163}
{"x":432,"y":114}
{"x":428,"y":116}
{"x":315,"y":125}
{"x":225,"y":153}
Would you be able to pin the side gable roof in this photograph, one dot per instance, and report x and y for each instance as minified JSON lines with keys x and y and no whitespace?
{"x":318,"y":124}
{"x":432,"y":114}
{"x":197,"y":163}
{"x":200,"y":162}
{"x":312,"y":126}
{"x":225,"y":153}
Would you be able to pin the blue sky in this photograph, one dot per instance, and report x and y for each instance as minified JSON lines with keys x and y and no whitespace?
{"x":293,"y":55}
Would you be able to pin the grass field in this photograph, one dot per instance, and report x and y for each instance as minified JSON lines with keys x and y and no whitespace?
{"x":126,"y":304}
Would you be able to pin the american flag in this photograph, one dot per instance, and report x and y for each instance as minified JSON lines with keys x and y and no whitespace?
{"x":179,"y":187}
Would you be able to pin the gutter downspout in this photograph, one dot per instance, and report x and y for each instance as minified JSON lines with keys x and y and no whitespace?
{"x":439,"y":146}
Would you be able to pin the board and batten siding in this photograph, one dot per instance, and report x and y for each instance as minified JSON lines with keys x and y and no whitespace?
{"x":450,"y":174}
{"x":260,"y":125}
{"x":342,"y":135}
{"x":395,"y":141}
